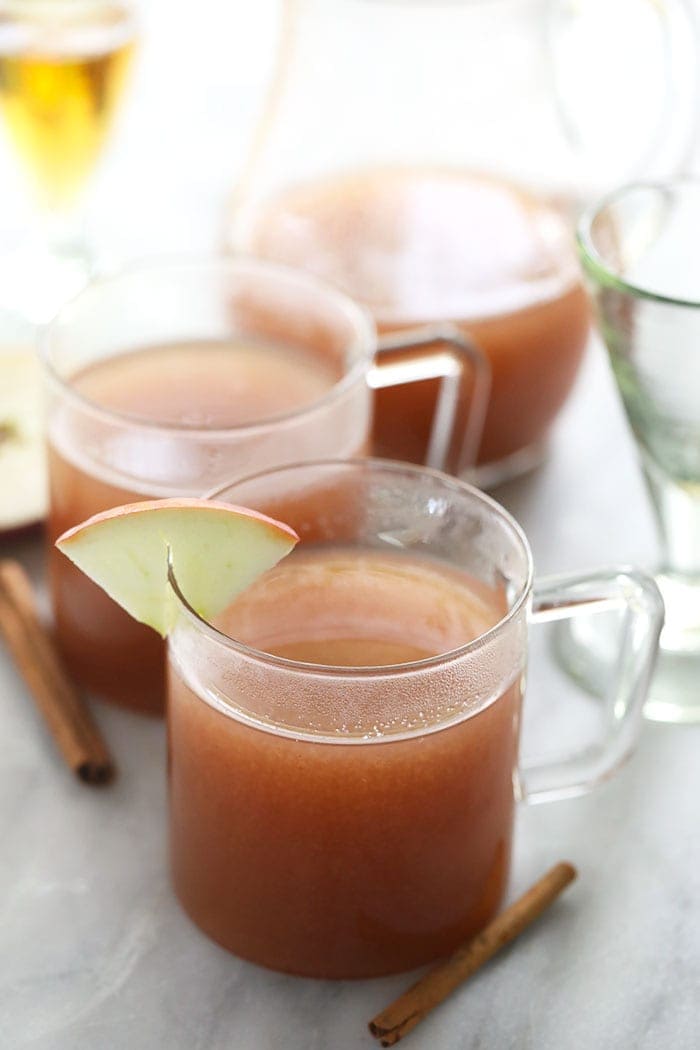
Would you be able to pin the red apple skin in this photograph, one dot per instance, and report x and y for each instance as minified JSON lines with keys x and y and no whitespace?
{"x":172,"y":504}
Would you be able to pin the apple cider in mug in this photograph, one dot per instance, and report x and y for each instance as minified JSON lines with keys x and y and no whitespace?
{"x":343,"y":736}
{"x":167,"y":380}
{"x":344,"y":703}
{"x":191,"y":387}
{"x":426,"y":820}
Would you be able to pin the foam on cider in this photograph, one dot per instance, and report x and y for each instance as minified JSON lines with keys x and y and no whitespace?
{"x":208,"y":384}
{"x":361,"y":608}
{"x":349,"y":608}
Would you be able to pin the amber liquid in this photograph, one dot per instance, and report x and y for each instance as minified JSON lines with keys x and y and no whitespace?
{"x":423,"y":245}
{"x":61,"y":77}
{"x":209,"y":385}
{"x":345,"y":859}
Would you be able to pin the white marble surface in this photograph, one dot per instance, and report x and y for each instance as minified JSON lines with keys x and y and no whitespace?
{"x":94,"y":951}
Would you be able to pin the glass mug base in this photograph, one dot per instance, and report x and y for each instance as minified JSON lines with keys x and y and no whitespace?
{"x":587,"y":649}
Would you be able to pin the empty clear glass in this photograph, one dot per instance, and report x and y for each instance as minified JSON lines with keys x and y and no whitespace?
{"x":640,"y":252}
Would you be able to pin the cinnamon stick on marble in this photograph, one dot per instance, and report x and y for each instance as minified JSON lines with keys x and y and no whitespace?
{"x":406,"y":1012}
{"x":36,"y":657}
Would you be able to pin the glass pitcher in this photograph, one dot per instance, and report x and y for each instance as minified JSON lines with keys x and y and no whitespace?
{"x":428,"y":158}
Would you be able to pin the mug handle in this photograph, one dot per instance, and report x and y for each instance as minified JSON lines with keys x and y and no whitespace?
{"x":440,"y":352}
{"x":565,"y":596}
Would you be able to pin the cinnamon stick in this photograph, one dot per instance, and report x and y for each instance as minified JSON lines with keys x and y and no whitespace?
{"x":406,"y":1012}
{"x":37,"y":659}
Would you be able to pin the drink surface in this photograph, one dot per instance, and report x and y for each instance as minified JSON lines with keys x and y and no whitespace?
{"x":208,"y":385}
{"x":364,"y":850}
{"x":361,"y":608}
{"x":421,"y":245}
{"x":62,"y":69}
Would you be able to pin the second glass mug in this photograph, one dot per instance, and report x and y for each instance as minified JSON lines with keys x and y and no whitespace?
{"x":170,"y":377}
{"x":343,"y":741}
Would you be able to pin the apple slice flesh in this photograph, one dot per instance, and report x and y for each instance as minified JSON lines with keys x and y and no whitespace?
{"x":216,"y":550}
{"x":23,"y":484}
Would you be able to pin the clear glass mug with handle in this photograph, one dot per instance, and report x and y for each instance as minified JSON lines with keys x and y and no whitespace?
{"x":429,"y":156}
{"x":167,"y":378}
{"x":343,"y":740}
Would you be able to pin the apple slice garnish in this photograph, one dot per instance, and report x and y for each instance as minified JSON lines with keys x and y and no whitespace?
{"x":22,"y":456}
{"x":216,"y":550}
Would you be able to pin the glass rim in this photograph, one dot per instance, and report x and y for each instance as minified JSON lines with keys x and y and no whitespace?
{"x":30,"y":15}
{"x":362,"y":344}
{"x":599,"y":267}
{"x":259,"y":656}
{"x":127,"y":7}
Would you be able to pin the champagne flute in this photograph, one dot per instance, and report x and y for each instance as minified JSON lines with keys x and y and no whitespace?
{"x":62,"y":70}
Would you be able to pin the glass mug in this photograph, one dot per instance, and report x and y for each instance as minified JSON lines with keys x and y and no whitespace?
{"x":168,"y":378}
{"x":441,"y":184}
{"x":343,"y":741}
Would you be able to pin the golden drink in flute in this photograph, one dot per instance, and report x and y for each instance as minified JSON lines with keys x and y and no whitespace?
{"x":62,"y":71}
{"x":59,"y":87}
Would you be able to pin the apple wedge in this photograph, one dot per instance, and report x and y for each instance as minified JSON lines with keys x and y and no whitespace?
{"x":216,"y":550}
{"x":22,"y":458}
